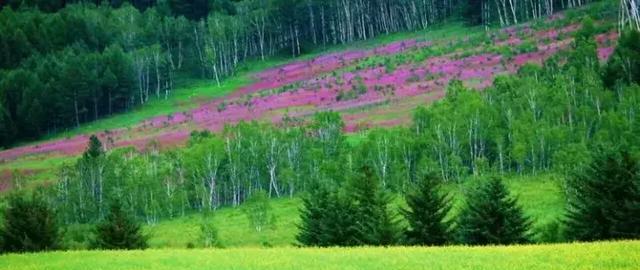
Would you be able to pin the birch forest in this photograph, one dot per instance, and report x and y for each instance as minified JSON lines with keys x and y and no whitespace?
{"x":71,"y":62}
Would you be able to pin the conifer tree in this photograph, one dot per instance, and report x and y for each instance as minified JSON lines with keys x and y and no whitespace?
{"x":606,"y":199}
{"x":491,"y":216}
{"x":29,"y":225}
{"x":375,"y":224}
{"x":426,"y":214}
{"x":327,"y":219}
{"x":119,"y":231}
{"x":94,"y":149}
{"x":312,"y":228}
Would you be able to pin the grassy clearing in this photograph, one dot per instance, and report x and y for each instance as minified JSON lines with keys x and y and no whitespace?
{"x":541,"y":197}
{"x":603,"y":255}
{"x":38,"y":168}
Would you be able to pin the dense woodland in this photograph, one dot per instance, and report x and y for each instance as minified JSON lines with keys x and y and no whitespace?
{"x":544,"y":119}
{"x":572,"y":116}
{"x":64,"y":63}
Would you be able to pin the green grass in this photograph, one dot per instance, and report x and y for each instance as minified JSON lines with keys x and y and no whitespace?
{"x":233,"y":228}
{"x":192,"y":91}
{"x":540,"y":196}
{"x":36,"y":169}
{"x":602,"y":255}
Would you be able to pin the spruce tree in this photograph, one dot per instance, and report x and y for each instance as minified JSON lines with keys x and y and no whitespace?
{"x":119,"y":231}
{"x":94,"y":148}
{"x":30,"y":225}
{"x":327,"y":219}
{"x":605,"y":201}
{"x":426,"y":214}
{"x":312,"y":227}
{"x":491,"y":216}
{"x":375,"y":223}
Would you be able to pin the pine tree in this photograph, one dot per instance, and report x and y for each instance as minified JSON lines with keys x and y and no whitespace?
{"x":427,"y":213}
{"x":94,"y":149}
{"x":375,"y":224}
{"x":327,"y":219}
{"x":491,"y":216}
{"x":312,"y":227}
{"x":30,"y":225}
{"x":119,"y":231}
{"x":606,"y":199}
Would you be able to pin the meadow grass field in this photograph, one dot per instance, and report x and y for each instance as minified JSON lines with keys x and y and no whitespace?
{"x":601,"y":255}
{"x":541,"y":198}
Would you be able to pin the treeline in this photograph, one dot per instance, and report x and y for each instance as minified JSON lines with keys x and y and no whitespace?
{"x":602,"y":205}
{"x":544,"y":119}
{"x":68,"y":62}
{"x":84,"y":62}
{"x":578,"y":119}
{"x":506,"y":12}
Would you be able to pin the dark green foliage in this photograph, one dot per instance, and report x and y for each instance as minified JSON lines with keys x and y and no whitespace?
{"x":327,"y":220}
{"x":624,"y":64}
{"x":376,"y":225}
{"x":360,"y":216}
{"x":192,"y":9}
{"x":491,"y":216}
{"x":427,"y":214}
{"x":29,"y":226}
{"x":94,"y":148}
{"x":119,"y":231}
{"x":605,"y":199}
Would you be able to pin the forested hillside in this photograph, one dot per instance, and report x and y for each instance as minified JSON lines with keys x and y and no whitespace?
{"x":69,"y":62}
{"x":299,"y":124}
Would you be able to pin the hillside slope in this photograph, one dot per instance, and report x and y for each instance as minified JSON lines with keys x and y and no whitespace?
{"x":371,"y":87}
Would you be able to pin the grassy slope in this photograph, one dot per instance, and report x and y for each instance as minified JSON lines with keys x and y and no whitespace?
{"x":194,"y":90}
{"x":541,"y":197}
{"x":605,"y":255}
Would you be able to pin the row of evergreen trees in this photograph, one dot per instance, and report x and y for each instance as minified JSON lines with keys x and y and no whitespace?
{"x":604,"y":204}
{"x":31,"y":225}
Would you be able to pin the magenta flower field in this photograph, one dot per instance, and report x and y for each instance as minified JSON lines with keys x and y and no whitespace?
{"x":367,"y":95}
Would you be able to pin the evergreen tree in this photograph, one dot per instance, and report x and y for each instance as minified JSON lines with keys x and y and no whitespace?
{"x":30,"y":225}
{"x":624,"y":64}
{"x":606,"y":199}
{"x":375,"y":224}
{"x":313,"y":215}
{"x":491,"y":216}
{"x":327,"y":219}
{"x":119,"y":231}
{"x":94,"y":148}
{"x":427,"y":213}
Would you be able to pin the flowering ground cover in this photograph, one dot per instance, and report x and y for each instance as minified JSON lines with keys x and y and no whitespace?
{"x":372,"y":87}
